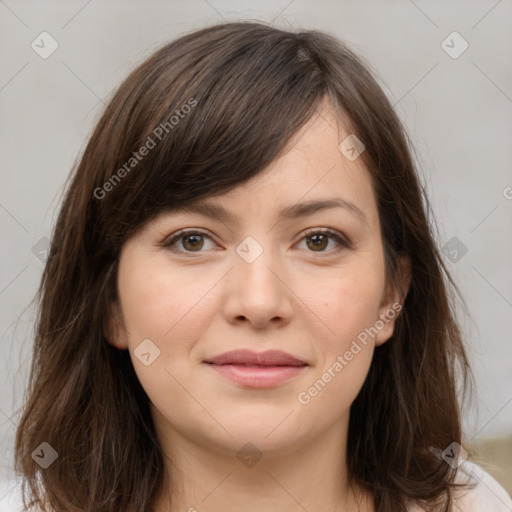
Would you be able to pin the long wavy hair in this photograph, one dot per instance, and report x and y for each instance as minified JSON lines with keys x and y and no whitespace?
{"x":248,"y":88}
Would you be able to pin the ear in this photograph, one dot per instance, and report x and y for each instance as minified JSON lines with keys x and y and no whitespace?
{"x":393,"y":300}
{"x":114,"y":330}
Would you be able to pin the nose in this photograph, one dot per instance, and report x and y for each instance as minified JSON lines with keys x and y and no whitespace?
{"x":258,"y":291}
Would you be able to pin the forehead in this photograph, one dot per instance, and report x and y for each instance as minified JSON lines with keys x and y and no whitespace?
{"x":311,"y":175}
{"x":216,"y":211}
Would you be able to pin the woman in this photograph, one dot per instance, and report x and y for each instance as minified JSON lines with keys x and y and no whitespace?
{"x":244,"y":307}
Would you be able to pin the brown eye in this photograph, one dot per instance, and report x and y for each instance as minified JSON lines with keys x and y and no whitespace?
{"x":318,"y":241}
{"x":189,"y":242}
{"x":192,"y":242}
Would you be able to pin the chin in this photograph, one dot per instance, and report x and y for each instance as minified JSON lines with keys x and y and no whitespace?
{"x":267,"y":432}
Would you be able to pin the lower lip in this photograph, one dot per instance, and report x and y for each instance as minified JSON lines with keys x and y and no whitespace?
{"x":257,"y":376}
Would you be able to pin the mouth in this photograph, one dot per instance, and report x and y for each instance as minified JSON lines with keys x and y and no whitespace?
{"x":257,"y":370}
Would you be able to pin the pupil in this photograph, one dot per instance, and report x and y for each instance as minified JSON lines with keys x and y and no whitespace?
{"x":318,"y":241}
{"x":194,"y":243}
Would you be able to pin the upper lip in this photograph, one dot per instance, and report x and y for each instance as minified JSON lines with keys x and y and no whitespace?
{"x":248,"y":357}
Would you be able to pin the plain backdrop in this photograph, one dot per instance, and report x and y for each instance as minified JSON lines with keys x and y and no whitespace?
{"x":457,"y":107}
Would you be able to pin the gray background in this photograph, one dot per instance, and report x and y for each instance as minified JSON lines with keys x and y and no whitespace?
{"x":457,"y":111}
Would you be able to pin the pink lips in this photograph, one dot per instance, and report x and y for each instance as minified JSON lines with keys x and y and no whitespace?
{"x":257,"y":370}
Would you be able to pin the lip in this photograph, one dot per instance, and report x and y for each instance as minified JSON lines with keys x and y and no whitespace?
{"x":248,"y":357}
{"x":257,"y":370}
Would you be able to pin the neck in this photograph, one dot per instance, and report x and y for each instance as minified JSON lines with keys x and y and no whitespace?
{"x":311,"y":477}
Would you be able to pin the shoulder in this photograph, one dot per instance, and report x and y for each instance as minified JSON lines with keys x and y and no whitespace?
{"x":486,"y":495}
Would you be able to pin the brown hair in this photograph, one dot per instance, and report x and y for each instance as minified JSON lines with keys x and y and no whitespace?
{"x":249,"y":88}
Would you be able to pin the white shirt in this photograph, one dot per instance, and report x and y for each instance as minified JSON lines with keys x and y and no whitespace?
{"x":487,"y":496}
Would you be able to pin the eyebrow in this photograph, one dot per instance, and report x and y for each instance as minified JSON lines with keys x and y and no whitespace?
{"x":295,"y":211}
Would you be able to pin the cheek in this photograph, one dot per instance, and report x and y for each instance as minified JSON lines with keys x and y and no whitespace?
{"x":349,"y":304}
{"x":158,"y":301}
{"x":349,"y":308}
{"x":172,"y":309}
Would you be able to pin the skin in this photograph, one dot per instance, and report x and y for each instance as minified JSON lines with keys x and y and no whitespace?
{"x":203,"y":299}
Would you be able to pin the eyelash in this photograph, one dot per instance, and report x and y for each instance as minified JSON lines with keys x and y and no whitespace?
{"x":343,"y":243}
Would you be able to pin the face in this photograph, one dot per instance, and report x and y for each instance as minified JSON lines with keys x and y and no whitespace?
{"x":270,"y":274}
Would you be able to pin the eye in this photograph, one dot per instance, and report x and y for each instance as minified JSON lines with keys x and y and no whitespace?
{"x":191,"y":241}
{"x":317,"y":240}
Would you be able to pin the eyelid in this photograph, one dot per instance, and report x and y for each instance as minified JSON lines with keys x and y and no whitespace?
{"x":327,"y":231}
{"x":187,"y":231}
